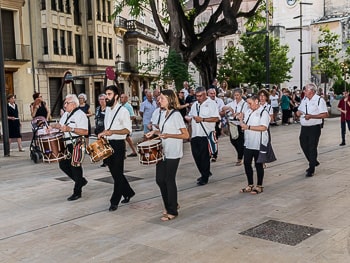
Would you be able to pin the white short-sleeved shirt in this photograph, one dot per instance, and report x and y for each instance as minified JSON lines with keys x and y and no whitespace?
{"x":121,"y":121}
{"x":274,"y":101}
{"x":314,"y":106}
{"x":268,"y":108}
{"x":207,"y":109}
{"x":77,"y":120}
{"x":156,"y":115}
{"x":172,"y":148}
{"x":256,"y":118}
{"x":241,"y":106}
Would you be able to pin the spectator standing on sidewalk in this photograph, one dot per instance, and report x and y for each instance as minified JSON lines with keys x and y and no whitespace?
{"x":13,"y":122}
{"x":146,"y":110}
{"x":344,"y":108}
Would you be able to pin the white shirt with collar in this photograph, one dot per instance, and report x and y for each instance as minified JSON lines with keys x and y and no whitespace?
{"x":314,"y":106}
{"x":207,"y":109}
{"x":77,"y":120}
{"x":121,"y":121}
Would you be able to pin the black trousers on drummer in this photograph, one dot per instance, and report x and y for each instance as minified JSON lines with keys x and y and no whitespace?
{"x":166,"y":180}
{"x":249,"y":155}
{"x":309,"y":137}
{"x":75,"y":173}
{"x":239,"y":143}
{"x":200,"y":153}
{"x":116,"y":167}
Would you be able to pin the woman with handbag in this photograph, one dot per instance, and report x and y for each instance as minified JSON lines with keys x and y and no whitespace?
{"x":255,"y":124}
{"x":172,"y":131}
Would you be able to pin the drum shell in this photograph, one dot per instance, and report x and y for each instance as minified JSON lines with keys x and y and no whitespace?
{"x":53,"y":147}
{"x":150,"y":152}
{"x":99,"y":150}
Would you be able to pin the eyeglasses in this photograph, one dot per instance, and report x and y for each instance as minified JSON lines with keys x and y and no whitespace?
{"x":67,"y":102}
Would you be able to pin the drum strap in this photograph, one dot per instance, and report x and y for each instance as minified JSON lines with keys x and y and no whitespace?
{"x":110,"y":126}
{"x":70,"y":115}
{"x":161,"y":131}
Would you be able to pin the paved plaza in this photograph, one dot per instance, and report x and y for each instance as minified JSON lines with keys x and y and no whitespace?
{"x":295,"y":219}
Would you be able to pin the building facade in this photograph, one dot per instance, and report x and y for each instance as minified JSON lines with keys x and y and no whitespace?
{"x":47,"y":39}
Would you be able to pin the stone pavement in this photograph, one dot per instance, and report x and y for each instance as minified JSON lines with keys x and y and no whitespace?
{"x":296,"y":219}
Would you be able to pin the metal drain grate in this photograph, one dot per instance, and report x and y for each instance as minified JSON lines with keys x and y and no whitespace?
{"x":281,"y":232}
{"x":109,"y":179}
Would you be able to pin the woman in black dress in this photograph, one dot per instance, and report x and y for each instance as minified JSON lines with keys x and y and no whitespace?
{"x":13,"y":122}
{"x":39,"y":107}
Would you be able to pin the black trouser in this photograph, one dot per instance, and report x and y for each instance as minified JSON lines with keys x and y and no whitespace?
{"x":165,"y":178}
{"x":239,"y":143}
{"x":343,"y":129}
{"x":309,"y":137}
{"x":285,"y":116}
{"x":200,"y":153}
{"x":75,"y":173}
{"x":249,"y":154}
{"x":116,"y":167}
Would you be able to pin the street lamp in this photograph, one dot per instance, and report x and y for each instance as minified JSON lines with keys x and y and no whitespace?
{"x":301,"y":40}
{"x":117,"y":60}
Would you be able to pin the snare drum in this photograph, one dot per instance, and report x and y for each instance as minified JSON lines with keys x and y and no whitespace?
{"x":150,"y":152}
{"x":53,"y":147}
{"x":99,"y":150}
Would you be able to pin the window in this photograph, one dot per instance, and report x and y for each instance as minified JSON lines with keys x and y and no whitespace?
{"x":63,"y":42}
{"x":60,"y":6}
{"x":98,"y":10}
{"x":69,"y":43}
{"x":110,"y":48}
{"x":43,"y":4}
{"x":77,"y":17}
{"x":45,"y":46}
{"x":105,"y":55}
{"x":89,"y":10}
{"x":99,"y":43}
{"x":109,"y":12}
{"x":53,"y":5}
{"x":8,"y":29}
{"x":68,"y":11}
{"x":91,"y":47}
{"x":55,"y":41}
{"x":104,"y":16}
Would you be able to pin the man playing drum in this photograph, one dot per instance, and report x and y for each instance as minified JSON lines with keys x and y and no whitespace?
{"x":74,"y":124}
{"x":117,"y":126}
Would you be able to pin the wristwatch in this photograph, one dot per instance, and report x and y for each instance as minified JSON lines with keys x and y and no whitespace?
{"x":72,"y":129}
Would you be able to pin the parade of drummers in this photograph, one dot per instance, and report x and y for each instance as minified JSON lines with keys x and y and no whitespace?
{"x":138,"y":103}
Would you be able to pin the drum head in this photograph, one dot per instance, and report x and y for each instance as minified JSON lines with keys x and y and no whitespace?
{"x":149,"y":143}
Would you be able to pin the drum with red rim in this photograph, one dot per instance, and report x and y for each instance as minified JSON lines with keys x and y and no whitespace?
{"x":150,"y":152}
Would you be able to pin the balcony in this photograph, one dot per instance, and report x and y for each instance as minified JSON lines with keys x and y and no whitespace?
{"x":124,"y":66}
{"x":18,"y":52}
{"x":133,"y":25}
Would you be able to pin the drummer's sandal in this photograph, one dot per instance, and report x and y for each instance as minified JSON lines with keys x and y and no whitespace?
{"x":248,"y":189}
{"x":167,"y":217}
{"x":257,"y":190}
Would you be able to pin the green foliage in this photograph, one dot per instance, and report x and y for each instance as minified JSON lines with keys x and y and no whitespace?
{"x":328,"y":62}
{"x":175,"y":69}
{"x":339,"y":86}
{"x":248,"y":65}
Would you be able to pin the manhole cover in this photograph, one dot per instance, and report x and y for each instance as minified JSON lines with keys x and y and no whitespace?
{"x":109,"y":179}
{"x":281,"y":232}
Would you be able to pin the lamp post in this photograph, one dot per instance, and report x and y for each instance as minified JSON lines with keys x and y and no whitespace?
{"x":117,"y":60}
{"x":301,"y":40}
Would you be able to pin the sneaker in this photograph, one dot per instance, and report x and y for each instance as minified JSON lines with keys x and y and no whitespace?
{"x":213,"y":159}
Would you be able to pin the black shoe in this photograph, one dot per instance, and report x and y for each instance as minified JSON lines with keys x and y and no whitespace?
{"x":127,"y":199}
{"x":132,"y":155}
{"x":74,"y":197}
{"x":342,"y":144}
{"x":201,"y":182}
{"x":309,"y":174}
{"x":85,"y":182}
{"x":113,"y":208}
{"x":103,"y":165}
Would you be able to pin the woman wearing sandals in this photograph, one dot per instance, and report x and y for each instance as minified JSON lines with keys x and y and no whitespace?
{"x":255,"y":125}
{"x":172,"y":131}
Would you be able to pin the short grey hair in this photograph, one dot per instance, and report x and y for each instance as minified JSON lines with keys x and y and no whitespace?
{"x":73,"y":98}
{"x":83,"y":95}
{"x":311,"y":86}
{"x":237,"y":90}
{"x":201,"y":89}
{"x":102,"y":95}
